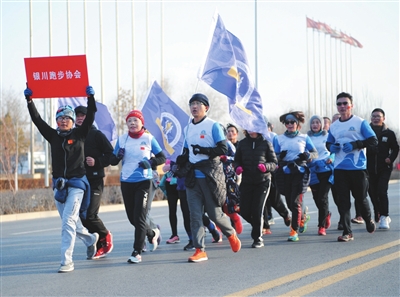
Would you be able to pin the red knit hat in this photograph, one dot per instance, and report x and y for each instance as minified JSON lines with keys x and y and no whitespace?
{"x":137,"y":114}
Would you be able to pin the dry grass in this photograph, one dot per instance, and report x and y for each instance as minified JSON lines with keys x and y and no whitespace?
{"x":43,"y":200}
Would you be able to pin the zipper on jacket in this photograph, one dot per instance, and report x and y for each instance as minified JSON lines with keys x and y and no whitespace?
{"x":65,"y":158}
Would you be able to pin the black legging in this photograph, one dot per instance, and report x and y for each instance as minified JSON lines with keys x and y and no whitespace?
{"x":172,"y":196}
{"x":274,"y":200}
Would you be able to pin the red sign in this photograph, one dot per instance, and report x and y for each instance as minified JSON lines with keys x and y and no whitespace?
{"x":50,"y":77}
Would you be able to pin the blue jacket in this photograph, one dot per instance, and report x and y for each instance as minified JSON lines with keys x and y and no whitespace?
{"x":80,"y":183}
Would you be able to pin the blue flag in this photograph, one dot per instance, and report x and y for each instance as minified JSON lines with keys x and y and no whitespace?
{"x":103,"y":120}
{"x":165,"y":120}
{"x":226,"y":70}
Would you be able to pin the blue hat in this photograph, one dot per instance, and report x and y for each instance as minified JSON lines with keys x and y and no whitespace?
{"x":66,"y":111}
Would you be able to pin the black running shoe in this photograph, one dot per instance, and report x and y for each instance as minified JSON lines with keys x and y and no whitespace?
{"x":189,"y":246}
{"x":371,"y":227}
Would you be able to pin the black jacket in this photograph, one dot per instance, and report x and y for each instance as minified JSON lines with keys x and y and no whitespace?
{"x":250,"y":153}
{"x":100,"y":149}
{"x":67,"y":152}
{"x":215,"y":177}
{"x":387,"y":148}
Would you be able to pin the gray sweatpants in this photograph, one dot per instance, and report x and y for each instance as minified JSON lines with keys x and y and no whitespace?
{"x":200,"y":199}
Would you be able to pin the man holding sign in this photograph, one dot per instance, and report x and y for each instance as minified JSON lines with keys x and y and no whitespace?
{"x":71,"y":187}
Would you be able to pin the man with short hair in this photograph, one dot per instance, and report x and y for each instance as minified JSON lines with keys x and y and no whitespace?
{"x":205,"y":184}
{"x":327,"y":123}
{"x":98,"y":151}
{"x":232,"y":134}
{"x":380,"y":166}
{"x":348,"y":137}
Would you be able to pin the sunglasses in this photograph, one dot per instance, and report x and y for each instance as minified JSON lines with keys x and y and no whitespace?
{"x":342,"y":103}
{"x":290,"y":122}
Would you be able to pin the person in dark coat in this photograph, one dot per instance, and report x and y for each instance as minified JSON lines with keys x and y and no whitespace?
{"x":380,"y":166}
{"x":255,"y":159}
{"x":98,"y":151}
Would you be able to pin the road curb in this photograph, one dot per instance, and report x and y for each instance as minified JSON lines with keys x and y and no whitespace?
{"x":54,"y":213}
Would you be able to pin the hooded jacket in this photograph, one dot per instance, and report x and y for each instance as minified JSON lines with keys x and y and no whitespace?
{"x":250,"y":153}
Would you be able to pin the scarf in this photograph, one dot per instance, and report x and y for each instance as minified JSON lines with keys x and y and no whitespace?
{"x":291,"y":134}
{"x":137,"y":134}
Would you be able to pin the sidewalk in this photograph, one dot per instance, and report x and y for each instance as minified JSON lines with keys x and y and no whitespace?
{"x":54,"y":213}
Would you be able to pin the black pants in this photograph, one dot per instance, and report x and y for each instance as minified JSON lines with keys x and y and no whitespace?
{"x":274,"y":200}
{"x":378,"y":188}
{"x":295,"y":185}
{"x":135,"y":197}
{"x":320,"y":193}
{"x":356,"y":182}
{"x":252,"y":203}
{"x":92,"y":222}
{"x":173,"y":195}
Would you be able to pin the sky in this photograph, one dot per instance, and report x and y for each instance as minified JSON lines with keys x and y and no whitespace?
{"x":178,"y":39}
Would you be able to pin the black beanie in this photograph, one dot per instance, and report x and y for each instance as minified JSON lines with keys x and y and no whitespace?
{"x":201,"y":98}
{"x":81,"y":109}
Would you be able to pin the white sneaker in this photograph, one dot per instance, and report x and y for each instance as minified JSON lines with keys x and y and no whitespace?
{"x":154,"y":240}
{"x":66,"y":268}
{"x":91,"y":250}
{"x":135,"y":258}
{"x":384,"y":222}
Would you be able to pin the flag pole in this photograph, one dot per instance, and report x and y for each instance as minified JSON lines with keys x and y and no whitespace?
{"x":351,"y":73}
{"x":101,"y":52}
{"x":319,"y":74}
{"x":256,"y":44}
{"x":117,"y":47}
{"x":315,"y":88}
{"x":147,"y":43}
{"x":345,"y":65}
{"x":308,"y":70}
{"x":326,"y":80}
{"x":32,"y":164}
{"x":162,"y":44}
{"x":331,"y":68}
{"x":133,"y":55}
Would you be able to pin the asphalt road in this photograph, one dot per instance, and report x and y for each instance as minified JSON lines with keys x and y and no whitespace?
{"x":314,"y":266}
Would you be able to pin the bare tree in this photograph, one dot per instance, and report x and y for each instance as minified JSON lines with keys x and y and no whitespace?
{"x":13,"y":138}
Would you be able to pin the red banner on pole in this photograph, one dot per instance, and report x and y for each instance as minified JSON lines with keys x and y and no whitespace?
{"x":50,"y":77}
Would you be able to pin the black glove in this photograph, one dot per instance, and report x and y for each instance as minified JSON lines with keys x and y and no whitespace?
{"x":302,"y":157}
{"x":28,"y":93}
{"x":282,"y":154}
{"x":182,"y":159}
{"x":121,"y":153}
{"x":197,"y":149}
{"x":145,"y":164}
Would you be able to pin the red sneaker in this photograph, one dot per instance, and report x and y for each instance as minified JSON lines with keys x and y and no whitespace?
{"x":235,"y":243}
{"x":238,"y":223}
{"x":328,"y":220}
{"x":266,"y":231}
{"x":107,"y":243}
{"x":100,"y":253}
{"x":198,"y":256}
{"x":321,"y":231}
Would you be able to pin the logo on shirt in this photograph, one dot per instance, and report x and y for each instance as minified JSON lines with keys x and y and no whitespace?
{"x":203,"y":134}
{"x":143,"y":145}
{"x":352,"y":128}
{"x":384,"y":139}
